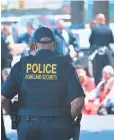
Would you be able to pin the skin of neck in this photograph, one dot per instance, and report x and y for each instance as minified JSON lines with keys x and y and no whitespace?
{"x":40,"y":46}
{"x":101,"y":22}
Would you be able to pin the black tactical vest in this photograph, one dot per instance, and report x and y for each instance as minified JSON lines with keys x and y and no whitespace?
{"x":43,"y":91}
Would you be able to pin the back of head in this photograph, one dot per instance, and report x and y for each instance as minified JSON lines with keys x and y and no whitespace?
{"x":43,"y":38}
{"x":100,"y":19}
{"x":80,"y":70}
{"x":79,"y":67}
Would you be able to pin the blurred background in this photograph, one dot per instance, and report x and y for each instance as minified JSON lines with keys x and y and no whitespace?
{"x":78,"y":19}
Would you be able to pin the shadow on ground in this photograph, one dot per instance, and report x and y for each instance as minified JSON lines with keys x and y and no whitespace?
{"x":98,"y":135}
{"x":85,"y":135}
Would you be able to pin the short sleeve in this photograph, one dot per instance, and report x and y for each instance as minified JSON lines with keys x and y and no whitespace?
{"x":73,"y":85}
{"x":11,"y":86}
{"x":91,"y":39}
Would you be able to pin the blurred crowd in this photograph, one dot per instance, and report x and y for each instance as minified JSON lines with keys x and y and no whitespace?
{"x":98,"y":86}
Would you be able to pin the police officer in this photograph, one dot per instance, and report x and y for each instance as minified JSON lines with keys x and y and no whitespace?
{"x":65,"y":40}
{"x":46,"y":85}
{"x":100,"y":39}
{"x":101,"y":35}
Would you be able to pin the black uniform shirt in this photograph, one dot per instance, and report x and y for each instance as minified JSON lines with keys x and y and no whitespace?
{"x":101,"y":36}
{"x":66,"y":71}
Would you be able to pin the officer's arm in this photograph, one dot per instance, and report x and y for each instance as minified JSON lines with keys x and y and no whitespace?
{"x":77,"y":106}
{"x":111,"y":37}
{"x":91,"y":39}
{"x":73,"y":40}
{"x":10,"y":88}
{"x":6,"y":104}
{"x":76,"y":93}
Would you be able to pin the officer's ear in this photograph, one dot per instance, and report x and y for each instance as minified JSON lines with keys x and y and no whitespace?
{"x":35,"y":46}
{"x":32,"y":46}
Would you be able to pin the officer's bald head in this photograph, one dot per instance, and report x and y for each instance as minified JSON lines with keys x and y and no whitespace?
{"x":100,"y":18}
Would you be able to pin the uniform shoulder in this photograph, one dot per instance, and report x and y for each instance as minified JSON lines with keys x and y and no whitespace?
{"x":106,"y":27}
{"x":64,"y":64}
{"x":68,"y":66}
{"x":94,"y":30}
{"x":63,"y":61}
{"x":17,"y":65}
{"x":30,"y":57}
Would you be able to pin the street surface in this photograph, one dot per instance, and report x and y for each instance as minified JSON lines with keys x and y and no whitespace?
{"x":93,"y":128}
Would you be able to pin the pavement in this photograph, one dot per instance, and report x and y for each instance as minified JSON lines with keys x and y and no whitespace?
{"x":97,"y":128}
{"x":92,"y":128}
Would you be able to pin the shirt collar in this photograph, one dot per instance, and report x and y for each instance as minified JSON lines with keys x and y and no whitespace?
{"x":44,"y":52}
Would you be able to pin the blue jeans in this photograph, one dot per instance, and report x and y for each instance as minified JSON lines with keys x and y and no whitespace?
{"x":109,"y":106}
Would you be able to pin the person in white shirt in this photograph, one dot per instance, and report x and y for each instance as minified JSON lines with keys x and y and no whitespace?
{"x":105,"y":91}
{"x":67,"y":43}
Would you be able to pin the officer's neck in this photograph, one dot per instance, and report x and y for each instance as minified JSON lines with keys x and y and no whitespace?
{"x":43,"y":49}
{"x":102,"y":23}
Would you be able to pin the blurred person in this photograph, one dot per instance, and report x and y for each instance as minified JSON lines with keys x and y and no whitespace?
{"x":6,"y":57}
{"x":101,"y":35}
{"x":105,"y":90}
{"x":93,"y":24}
{"x":25,"y":38}
{"x":15,"y":33}
{"x":86,"y":81}
{"x":45,"y":20}
{"x":5,"y":73}
{"x":102,"y":99}
{"x":100,"y":40}
{"x":7,"y":32}
{"x":14,"y":50}
{"x":64,"y":38}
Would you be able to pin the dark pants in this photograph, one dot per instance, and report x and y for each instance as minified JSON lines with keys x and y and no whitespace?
{"x":99,"y":62}
{"x":44,"y":130}
{"x":110,"y":106}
